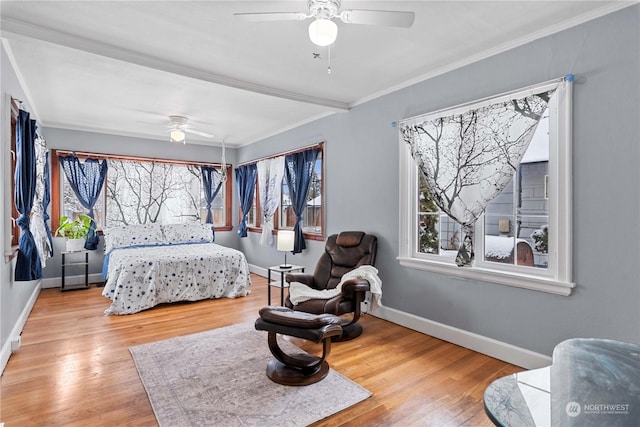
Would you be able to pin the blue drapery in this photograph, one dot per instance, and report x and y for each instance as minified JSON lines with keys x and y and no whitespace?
{"x":298,"y":173}
{"x":46,"y":198}
{"x":246,"y":179}
{"x":86,"y":180}
{"x":211,"y":189}
{"x":28,"y":266}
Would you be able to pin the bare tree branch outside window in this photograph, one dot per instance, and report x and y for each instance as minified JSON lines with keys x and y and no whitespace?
{"x":466,"y":159}
{"x":149,"y":192}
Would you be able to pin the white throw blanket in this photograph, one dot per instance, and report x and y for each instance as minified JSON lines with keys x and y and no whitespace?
{"x":299,"y":292}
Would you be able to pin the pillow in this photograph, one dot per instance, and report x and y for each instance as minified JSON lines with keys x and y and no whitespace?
{"x":132,"y":235}
{"x":188,"y":233}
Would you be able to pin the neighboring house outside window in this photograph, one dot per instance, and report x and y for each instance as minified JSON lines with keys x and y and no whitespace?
{"x":139,"y":191}
{"x":523,"y":238}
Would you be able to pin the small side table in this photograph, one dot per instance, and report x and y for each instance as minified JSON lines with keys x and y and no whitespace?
{"x":282,"y":283}
{"x":66,"y":264}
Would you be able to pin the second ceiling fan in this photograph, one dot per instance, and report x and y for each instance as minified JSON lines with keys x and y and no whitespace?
{"x":323,"y":31}
{"x":178,"y":126}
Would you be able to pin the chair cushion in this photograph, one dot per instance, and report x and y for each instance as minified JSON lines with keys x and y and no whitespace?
{"x":349,"y":239}
{"x":297,"y":319}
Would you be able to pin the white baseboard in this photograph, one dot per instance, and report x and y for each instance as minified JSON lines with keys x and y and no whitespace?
{"x":500,"y":350}
{"x":17,"y":328}
{"x":56,"y":282}
{"x":256,"y":269}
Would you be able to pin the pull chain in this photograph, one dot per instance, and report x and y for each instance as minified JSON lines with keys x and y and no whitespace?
{"x":329,"y":60}
{"x":224,"y":164}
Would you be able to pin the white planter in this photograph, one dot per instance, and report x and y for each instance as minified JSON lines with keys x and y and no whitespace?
{"x":74,"y":245}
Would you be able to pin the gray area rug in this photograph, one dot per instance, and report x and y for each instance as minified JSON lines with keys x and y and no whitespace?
{"x":217,"y":378}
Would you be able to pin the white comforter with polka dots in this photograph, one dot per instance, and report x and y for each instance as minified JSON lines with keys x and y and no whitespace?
{"x":139,"y":278}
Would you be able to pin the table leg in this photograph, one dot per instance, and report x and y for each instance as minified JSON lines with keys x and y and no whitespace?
{"x":63,"y":263}
{"x":86,"y":269}
{"x":269,"y":287}
{"x":282,"y":288}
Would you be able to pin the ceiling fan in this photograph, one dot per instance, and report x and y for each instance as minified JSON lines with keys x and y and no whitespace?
{"x":178,"y":128}
{"x":323,"y":31}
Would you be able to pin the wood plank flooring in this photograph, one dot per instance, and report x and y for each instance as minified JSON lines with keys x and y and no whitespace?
{"x":74,"y":367}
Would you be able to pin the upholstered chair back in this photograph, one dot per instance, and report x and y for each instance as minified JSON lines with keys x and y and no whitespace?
{"x":343,"y":253}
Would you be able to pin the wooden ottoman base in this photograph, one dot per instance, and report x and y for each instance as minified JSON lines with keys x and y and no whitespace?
{"x":300,"y":368}
{"x":280,"y":373}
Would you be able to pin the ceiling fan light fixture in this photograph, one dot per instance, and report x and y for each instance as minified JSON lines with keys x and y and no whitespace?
{"x":323,"y":32}
{"x":178,"y":136}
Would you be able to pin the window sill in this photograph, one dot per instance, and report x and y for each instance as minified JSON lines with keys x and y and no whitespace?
{"x":307,"y":236}
{"x":517,"y":280}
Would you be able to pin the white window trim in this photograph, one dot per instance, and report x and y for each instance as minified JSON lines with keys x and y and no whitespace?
{"x":557,"y":278}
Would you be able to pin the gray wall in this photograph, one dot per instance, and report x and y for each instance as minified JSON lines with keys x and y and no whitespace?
{"x":14,"y":296}
{"x":362,"y":189}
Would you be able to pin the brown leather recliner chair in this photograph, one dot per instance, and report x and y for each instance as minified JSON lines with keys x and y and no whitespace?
{"x":343,"y":253}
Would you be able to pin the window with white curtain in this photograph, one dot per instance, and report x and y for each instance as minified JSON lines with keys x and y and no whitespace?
{"x":523,"y":236}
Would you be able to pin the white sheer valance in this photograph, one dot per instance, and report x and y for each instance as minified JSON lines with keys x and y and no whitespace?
{"x":467,"y":154}
{"x":270,"y":174}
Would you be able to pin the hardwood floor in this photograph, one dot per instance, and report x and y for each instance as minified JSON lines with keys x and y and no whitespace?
{"x":74,"y":367}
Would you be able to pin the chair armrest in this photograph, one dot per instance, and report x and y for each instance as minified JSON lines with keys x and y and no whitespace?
{"x":350,"y":287}
{"x":306,"y":279}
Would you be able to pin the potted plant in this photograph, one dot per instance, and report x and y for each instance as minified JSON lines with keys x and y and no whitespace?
{"x":75,"y":231}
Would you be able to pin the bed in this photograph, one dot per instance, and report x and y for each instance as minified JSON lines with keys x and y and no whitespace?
{"x":147,"y":265}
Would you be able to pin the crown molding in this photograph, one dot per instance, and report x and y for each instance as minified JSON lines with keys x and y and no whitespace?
{"x":569,"y":23}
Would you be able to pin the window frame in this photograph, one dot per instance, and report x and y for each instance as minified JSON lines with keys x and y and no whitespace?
{"x":56,"y":182}
{"x":256,"y":226}
{"x":557,"y":278}
{"x":306,"y":232}
{"x":15,"y":229}
{"x":11,"y":228}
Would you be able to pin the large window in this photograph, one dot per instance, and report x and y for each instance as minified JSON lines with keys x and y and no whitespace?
{"x":523,"y":237}
{"x":285,"y":218}
{"x":514,"y":224}
{"x":140,"y":191}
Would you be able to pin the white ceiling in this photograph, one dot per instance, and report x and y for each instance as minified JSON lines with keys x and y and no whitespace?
{"x":116,"y":66}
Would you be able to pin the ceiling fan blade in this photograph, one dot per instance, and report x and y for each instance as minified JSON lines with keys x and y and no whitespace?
{"x":378,"y":17}
{"x":198,"y":132}
{"x":272,"y":16}
{"x":162,"y":123}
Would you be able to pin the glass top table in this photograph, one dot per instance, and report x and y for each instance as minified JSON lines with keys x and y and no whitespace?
{"x":591,"y":382}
